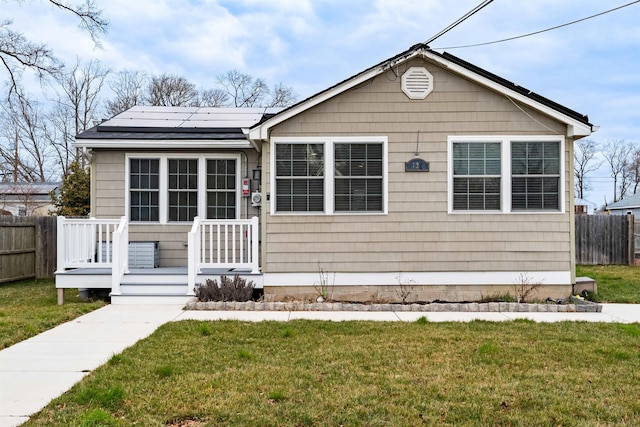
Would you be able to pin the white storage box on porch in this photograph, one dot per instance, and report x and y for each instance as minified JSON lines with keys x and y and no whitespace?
{"x":141,"y":254}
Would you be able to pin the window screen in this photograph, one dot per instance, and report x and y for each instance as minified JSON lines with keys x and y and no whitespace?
{"x":144,"y":189}
{"x":358,"y":177}
{"x":476,"y":175}
{"x":299,"y":177}
{"x":535,"y":181}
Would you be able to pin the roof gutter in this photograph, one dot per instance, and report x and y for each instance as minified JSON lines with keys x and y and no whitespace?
{"x":159,"y":144}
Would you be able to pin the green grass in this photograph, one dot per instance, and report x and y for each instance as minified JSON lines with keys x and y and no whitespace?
{"x":29,"y":307}
{"x":311,"y":373}
{"x":616,"y":283}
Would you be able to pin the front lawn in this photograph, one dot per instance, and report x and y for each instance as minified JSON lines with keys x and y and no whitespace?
{"x":616,"y":283}
{"x":29,"y":307}
{"x":312,"y":373}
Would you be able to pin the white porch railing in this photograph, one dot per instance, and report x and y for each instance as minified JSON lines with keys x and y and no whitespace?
{"x":104,"y":243}
{"x":222,"y":244}
{"x":120,"y":264}
{"x":85,"y":242}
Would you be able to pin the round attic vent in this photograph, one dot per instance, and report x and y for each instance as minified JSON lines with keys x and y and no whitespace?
{"x":417,"y":83}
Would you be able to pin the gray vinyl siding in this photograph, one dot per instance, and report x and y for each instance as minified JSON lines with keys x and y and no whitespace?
{"x":109,"y":201}
{"x":418,"y":234}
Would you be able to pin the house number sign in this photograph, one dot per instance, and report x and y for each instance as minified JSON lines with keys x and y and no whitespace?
{"x":416,"y":165}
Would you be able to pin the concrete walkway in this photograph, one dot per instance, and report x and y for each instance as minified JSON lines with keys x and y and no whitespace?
{"x":35,"y":371}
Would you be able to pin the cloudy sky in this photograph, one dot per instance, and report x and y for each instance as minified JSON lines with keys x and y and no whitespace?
{"x":592,"y":66}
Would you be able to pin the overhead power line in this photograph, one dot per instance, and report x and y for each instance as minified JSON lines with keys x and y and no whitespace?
{"x":460,"y":20}
{"x":541,"y":31}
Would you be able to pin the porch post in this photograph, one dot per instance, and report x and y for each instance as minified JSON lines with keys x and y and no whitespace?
{"x":193,"y":251}
{"x":255,"y":244}
{"x":61,"y":248}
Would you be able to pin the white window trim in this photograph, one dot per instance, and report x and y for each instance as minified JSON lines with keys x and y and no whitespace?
{"x":163,"y":196}
{"x":328,"y":142}
{"x":505,"y":181}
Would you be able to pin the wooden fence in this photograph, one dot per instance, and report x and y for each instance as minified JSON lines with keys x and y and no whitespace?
{"x":605,"y":239}
{"x":27,"y":248}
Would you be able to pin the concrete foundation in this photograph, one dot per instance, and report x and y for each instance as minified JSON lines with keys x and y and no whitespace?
{"x":413,"y":293}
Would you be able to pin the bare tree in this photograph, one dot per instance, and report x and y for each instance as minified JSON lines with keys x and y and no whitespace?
{"x":616,"y":154}
{"x":243,"y":90}
{"x":171,"y":90}
{"x":25,"y":145}
{"x":81,"y":89}
{"x":129,"y":87}
{"x":634,"y":170}
{"x":584,"y":162}
{"x":18,"y":53}
{"x":213,"y":98}
{"x":77,"y":108}
{"x":282,"y":96}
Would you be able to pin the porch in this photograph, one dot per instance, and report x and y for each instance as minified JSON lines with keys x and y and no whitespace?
{"x":95,"y":254}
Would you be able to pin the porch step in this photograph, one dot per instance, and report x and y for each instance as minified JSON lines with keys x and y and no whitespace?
{"x":153,"y":288}
{"x":146,"y":299}
{"x":155,"y":276}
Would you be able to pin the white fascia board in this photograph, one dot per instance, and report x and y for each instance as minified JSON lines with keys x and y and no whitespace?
{"x":255,"y":144}
{"x":159,"y":144}
{"x":574,"y":127}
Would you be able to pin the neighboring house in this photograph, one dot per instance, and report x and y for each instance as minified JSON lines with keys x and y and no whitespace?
{"x":27,"y":198}
{"x":628,"y":205}
{"x":584,"y":207}
{"x":423,"y":170}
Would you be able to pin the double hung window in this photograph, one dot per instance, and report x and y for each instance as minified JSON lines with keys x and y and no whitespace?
{"x":476,"y":176}
{"x":358,"y":177}
{"x":164,"y":189}
{"x":330,"y":175}
{"x":300,"y":177}
{"x":505,"y":174}
{"x":535,"y":181}
{"x":144,"y":185}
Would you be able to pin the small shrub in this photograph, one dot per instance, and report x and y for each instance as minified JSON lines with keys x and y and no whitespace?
{"x":324,"y":287}
{"x":405,"y":288}
{"x":524,"y":288}
{"x":229,"y":289}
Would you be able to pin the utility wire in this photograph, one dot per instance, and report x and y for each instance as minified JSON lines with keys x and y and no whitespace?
{"x":541,"y":31}
{"x":459,"y":21}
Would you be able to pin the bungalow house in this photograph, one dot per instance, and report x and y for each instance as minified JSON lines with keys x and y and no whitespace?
{"x":422,"y":171}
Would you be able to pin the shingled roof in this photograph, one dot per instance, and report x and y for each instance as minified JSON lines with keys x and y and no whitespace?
{"x":157,"y":123}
